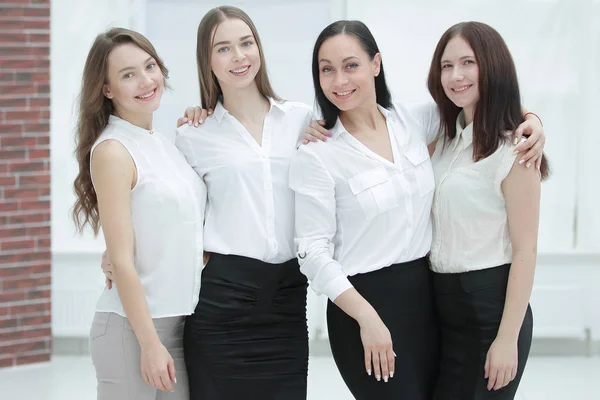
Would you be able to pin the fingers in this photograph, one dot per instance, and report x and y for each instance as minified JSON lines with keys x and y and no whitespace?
{"x":181,"y":121}
{"x":391,"y":356}
{"x":368,"y":362}
{"x":165,"y":382}
{"x":523,"y":145}
{"x":385,"y":371}
{"x":376,"y":365}
{"x":530,"y":157}
{"x":316,"y":129}
{"x":171,"y":370}
{"x":513,"y":375}
{"x":108,"y":283}
{"x":493,"y":377}
{"x":507,"y":376}
{"x":486,"y":367}
{"x":189,"y":113}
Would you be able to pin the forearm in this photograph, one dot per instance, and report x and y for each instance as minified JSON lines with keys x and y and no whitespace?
{"x":518,"y":293}
{"x":133,"y":298}
{"x":353,"y":304}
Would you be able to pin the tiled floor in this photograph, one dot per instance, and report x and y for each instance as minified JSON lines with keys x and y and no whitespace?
{"x":72,"y":378}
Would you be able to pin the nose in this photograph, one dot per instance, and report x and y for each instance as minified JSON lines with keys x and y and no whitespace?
{"x":457,"y":74}
{"x":238,"y":54}
{"x":340,"y":79}
{"x":145,"y":79}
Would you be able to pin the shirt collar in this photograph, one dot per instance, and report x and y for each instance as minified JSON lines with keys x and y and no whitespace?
{"x":220,"y":111}
{"x":465,"y":133}
{"x":114,"y":120}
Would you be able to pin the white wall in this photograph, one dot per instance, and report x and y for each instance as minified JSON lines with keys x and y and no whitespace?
{"x":555,"y":46}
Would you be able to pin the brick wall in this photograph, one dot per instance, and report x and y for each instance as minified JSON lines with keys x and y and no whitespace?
{"x":25,"y":329}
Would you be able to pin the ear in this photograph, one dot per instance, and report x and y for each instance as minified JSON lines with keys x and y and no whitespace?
{"x":377,"y":64}
{"x":106,"y":92}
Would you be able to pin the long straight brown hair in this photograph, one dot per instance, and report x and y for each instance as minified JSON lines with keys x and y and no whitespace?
{"x":94,"y":111}
{"x":210,"y":90}
{"x":499,"y":107}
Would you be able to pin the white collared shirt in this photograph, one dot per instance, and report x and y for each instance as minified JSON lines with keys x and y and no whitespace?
{"x":357,"y":212}
{"x":250,"y":210}
{"x":470,"y":224}
{"x":167,"y":209}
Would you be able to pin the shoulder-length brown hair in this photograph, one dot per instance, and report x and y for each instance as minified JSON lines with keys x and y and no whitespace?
{"x":499,"y":107}
{"x":94,"y":110}
{"x":210,"y":90}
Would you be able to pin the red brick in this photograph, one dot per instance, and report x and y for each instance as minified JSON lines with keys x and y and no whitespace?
{"x":31,"y":115}
{"x":8,"y":323}
{"x":17,"y":142}
{"x":12,"y":155}
{"x":10,"y":128}
{"x":39,"y":77}
{"x":40,"y":230}
{"x":22,"y":65}
{"x":12,"y":297}
{"x":34,"y":308}
{"x":6,"y":181}
{"x":19,"y":193}
{"x":17,"y":245}
{"x":15,"y":37}
{"x":45,"y":128}
{"x":6,"y":361}
{"x":38,"y":12}
{"x":34,"y":180}
{"x":33,"y":166}
{"x":13,"y":103}
{"x":43,"y":243}
{"x":25,"y":334}
{"x":4,"y":311}
{"x":31,"y":359}
{"x":12,"y":232}
{"x":23,"y":257}
{"x":38,"y":345}
{"x":17,"y":89}
{"x":38,"y":294}
{"x":35,"y":321}
{"x":7,"y":77}
{"x":43,"y":141}
{"x":39,"y":102}
{"x":26,"y":283}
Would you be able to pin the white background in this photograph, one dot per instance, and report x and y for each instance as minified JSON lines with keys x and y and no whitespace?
{"x":555,"y":45}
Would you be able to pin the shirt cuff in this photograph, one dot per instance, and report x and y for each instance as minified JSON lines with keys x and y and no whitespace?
{"x":336,"y":287}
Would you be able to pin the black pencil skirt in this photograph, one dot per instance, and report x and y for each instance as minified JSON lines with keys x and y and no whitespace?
{"x":469,"y":306}
{"x":402,"y":296}
{"x":248,"y":338}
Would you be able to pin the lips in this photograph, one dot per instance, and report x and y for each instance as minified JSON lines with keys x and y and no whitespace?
{"x":344,"y":94}
{"x":461,"y":89}
{"x":240,"y":71}
{"x":147,"y":95}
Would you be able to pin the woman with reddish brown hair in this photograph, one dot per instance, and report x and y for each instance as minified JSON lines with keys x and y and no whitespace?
{"x":485,"y":217}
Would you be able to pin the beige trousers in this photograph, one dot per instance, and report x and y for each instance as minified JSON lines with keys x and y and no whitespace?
{"x":116,"y":356}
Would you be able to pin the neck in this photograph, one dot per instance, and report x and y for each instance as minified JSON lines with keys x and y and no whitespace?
{"x":245,"y":103}
{"x":469,"y":113}
{"x":141,"y":120}
{"x":365,"y":117}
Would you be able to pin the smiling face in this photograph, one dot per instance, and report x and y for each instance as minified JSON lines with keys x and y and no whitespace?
{"x":235,"y":56}
{"x":347,"y":73}
{"x":460,"y":75}
{"x":135,"y":83}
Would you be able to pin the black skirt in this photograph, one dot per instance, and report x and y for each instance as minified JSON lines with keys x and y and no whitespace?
{"x":470,"y":307}
{"x":402,"y":296}
{"x":248,"y":337}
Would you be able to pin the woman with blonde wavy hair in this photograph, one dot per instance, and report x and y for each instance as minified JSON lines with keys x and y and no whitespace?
{"x":128,"y":171}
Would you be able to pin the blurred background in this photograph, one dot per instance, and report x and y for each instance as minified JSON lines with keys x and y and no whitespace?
{"x":50,"y":277}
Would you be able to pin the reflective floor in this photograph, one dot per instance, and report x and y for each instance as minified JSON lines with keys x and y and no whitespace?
{"x":72,"y":378}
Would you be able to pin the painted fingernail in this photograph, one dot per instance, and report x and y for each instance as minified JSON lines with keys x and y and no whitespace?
{"x":521,"y":162}
{"x":329,"y":134}
{"x":369,"y":372}
{"x":190,"y":123}
{"x":185,"y":120}
{"x":378,"y":377}
{"x":391,"y":374}
{"x":528,"y":165}
{"x":395,"y":355}
{"x":324,"y":138}
{"x":201,"y":121}
{"x":516,"y":141}
{"x":385,"y":379}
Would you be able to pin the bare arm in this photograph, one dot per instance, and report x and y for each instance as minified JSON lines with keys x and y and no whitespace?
{"x":114,"y":176}
{"x":521,"y":190}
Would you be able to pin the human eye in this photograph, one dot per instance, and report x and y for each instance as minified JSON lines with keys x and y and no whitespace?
{"x":467,"y":62}
{"x":326,"y":69}
{"x":352,"y":66}
{"x":446,"y":65}
{"x":128,"y":75}
{"x":151,"y":65}
{"x":247,"y":43}
{"x":223,"y":49}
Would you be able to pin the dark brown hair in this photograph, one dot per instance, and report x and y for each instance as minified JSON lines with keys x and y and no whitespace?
{"x":499,"y":107}
{"x":94,"y":110}
{"x":210,"y":90}
{"x":360,"y":31}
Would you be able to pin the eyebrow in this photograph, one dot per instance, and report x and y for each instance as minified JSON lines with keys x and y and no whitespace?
{"x":227,"y":41}
{"x":344,"y":60}
{"x":462,"y":58}
{"x":126,"y":68}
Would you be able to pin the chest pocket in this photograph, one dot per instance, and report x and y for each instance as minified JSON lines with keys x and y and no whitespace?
{"x":419,"y":158}
{"x":374,"y":191}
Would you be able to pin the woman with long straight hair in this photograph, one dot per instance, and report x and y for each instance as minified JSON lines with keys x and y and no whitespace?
{"x":127,"y":171}
{"x":247,"y":338}
{"x":485,"y":217}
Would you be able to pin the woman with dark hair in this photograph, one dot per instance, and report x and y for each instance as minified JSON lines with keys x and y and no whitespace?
{"x":363,"y":226}
{"x":485,"y":217}
{"x":128,"y":170}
